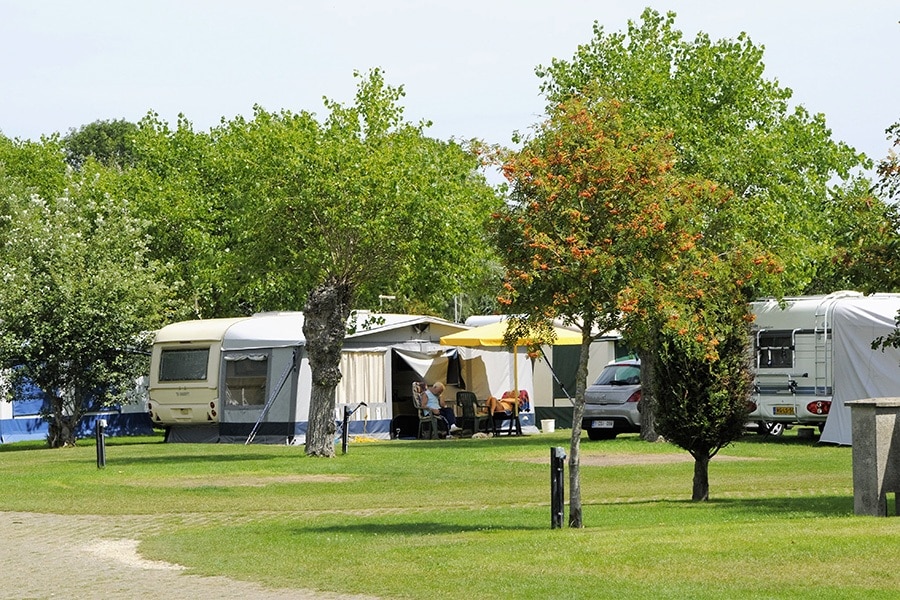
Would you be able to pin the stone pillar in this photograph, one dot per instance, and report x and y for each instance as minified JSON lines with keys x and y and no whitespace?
{"x":876,"y":453}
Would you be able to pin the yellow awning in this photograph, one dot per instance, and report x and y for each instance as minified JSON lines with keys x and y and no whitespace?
{"x":492,"y":335}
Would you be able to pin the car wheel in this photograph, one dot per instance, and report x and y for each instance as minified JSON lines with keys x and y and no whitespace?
{"x":770,"y":428}
{"x":600,"y":434}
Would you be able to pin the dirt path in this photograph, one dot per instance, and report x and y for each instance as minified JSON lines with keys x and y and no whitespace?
{"x":92,"y":557}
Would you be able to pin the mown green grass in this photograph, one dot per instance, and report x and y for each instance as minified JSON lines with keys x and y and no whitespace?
{"x":462,"y":518}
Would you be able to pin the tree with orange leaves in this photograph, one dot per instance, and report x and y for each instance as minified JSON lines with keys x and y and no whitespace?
{"x":597,"y":214}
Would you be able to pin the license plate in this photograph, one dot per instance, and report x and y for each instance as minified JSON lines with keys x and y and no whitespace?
{"x":602,"y":425}
{"x":782,"y":410}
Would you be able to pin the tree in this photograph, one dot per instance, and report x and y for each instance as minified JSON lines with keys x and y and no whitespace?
{"x":325,"y":215}
{"x":110,"y":143}
{"x":730,"y":125}
{"x":243,"y":210}
{"x":79,"y":297}
{"x":601,"y":227}
{"x":866,"y":234}
{"x":691,"y":319}
{"x":590,"y":191}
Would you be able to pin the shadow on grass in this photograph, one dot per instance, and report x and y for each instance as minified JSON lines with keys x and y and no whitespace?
{"x":412,"y":528}
{"x":780,"y":440}
{"x":818,"y":506}
{"x":191,"y":458}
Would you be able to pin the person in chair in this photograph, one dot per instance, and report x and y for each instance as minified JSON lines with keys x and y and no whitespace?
{"x":431,"y":400}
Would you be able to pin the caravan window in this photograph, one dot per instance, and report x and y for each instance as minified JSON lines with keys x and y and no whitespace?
{"x":188,"y":364}
{"x":775,"y":349}
{"x":245,"y":380}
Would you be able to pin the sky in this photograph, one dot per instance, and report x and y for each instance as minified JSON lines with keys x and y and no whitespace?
{"x":467,"y":66}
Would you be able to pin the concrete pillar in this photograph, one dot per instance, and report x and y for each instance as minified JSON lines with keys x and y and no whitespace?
{"x":876,"y":453}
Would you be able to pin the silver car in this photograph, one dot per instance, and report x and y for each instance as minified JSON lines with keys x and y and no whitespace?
{"x":611,"y":403}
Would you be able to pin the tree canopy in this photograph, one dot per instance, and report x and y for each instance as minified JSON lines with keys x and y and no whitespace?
{"x":110,"y":143}
{"x":730,"y":125}
{"x":282,"y":211}
{"x":80,"y":295}
{"x":287,"y":211}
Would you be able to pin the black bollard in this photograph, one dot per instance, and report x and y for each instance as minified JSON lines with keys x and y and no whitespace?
{"x":101,"y":443}
{"x":557,"y":487}
{"x":345,"y":429}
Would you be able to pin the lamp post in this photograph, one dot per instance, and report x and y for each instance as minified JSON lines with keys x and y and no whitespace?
{"x":382,"y":297}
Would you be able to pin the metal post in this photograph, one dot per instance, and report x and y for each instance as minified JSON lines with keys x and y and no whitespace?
{"x":101,"y":443}
{"x":345,"y":426}
{"x":557,"y":486}
{"x":345,"y":429}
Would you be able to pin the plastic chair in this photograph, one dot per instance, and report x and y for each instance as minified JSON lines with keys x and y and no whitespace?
{"x":472,"y":419}
{"x":428,"y":421}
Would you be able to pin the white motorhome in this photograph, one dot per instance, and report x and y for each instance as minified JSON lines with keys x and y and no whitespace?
{"x":812,"y":354}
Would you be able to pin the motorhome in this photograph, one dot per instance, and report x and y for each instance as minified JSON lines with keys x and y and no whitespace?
{"x":812,"y":354}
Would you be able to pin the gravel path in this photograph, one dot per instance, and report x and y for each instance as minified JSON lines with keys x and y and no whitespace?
{"x":57,"y":556}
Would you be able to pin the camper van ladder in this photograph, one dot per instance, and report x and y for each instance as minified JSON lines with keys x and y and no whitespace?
{"x":271,"y":398}
{"x":823,"y":333}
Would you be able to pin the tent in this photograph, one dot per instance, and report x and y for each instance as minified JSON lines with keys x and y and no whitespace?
{"x":504,"y":368}
{"x":21,"y":420}
{"x":859,"y":371}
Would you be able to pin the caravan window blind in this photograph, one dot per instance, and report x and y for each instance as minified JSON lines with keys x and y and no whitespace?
{"x":187,"y":364}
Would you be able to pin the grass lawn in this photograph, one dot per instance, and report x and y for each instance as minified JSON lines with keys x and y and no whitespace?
{"x":468,"y":518}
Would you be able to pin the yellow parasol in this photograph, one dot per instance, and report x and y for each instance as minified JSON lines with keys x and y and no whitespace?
{"x":493,"y":335}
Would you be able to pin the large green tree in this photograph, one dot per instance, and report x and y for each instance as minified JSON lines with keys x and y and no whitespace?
{"x":79,"y":293}
{"x":328,"y":215}
{"x":243,"y":209}
{"x":730,"y":124}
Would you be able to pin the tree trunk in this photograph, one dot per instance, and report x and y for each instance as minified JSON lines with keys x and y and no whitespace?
{"x":575,"y":514}
{"x":701,"y":478}
{"x":61,"y":430}
{"x":648,"y":401}
{"x":324,"y":326}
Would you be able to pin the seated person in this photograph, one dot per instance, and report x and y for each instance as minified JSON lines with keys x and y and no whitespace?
{"x":431,"y":400}
{"x":507,"y":404}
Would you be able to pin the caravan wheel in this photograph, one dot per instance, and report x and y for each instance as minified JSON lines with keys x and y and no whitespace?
{"x":770,"y":428}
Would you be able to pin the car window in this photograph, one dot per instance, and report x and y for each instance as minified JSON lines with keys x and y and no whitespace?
{"x":620,"y":375}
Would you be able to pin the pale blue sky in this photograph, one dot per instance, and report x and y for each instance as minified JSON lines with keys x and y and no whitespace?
{"x":466,"y":65}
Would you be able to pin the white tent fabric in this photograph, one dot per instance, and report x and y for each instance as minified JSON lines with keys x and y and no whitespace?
{"x":489,"y":371}
{"x":429,"y":366}
{"x":361,"y":374}
{"x":859,"y":371}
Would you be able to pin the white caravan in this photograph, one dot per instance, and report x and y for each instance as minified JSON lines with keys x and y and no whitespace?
{"x":230,"y":380}
{"x":814,"y":353}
